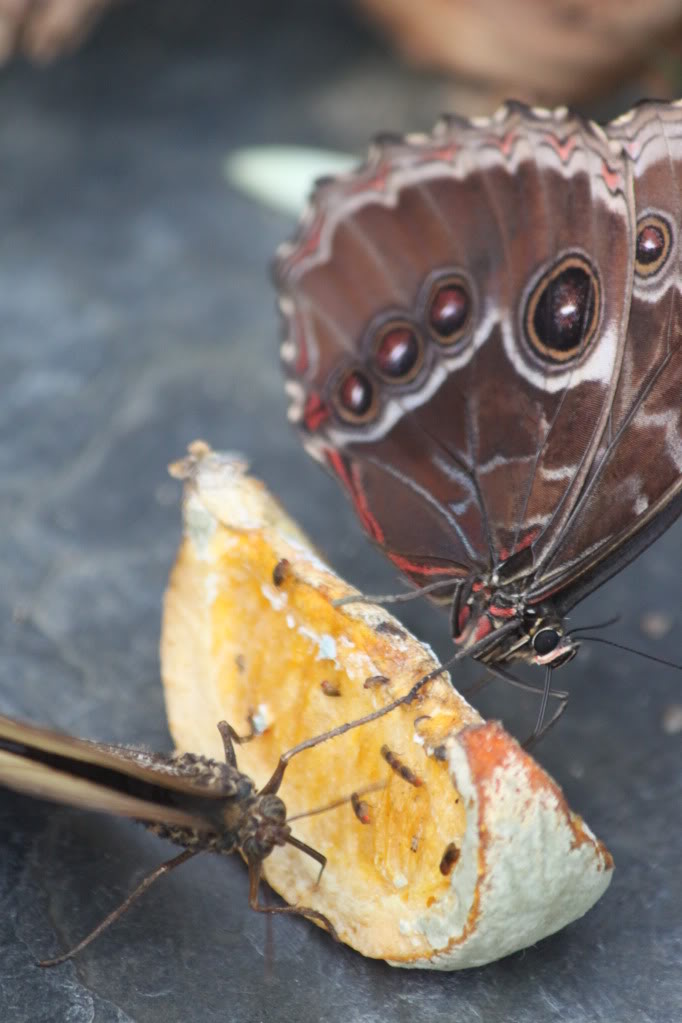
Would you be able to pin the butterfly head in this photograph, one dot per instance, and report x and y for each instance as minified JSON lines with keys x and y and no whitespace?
{"x":548,"y":642}
{"x":495,"y":627}
{"x":263,"y":826}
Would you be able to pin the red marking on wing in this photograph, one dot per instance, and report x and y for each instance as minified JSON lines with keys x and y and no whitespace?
{"x":315,"y":412}
{"x":463,"y":618}
{"x":501,"y":612}
{"x":307,"y":244}
{"x":483,"y":627}
{"x":633,"y":148}
{"x":612,"y":178}
{"x":366,"y":516}
{"x":376,"y":183}
{"x":336,"y":462}
{"x":505,"y":554}
{"x":530,"y":537}
{"x":506,"y":144}
{"x":563,"y":149}
{"x":354,"y":488}
{"x":415,"y":568}
{"x":445,"y":153}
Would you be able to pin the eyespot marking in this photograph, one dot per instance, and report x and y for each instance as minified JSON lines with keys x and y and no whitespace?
{"x":562,"y":311}
{"x":398,"y":352}
{"x":654,"y":240}
{"x":449,"y":308}
{"x":355,"y":397}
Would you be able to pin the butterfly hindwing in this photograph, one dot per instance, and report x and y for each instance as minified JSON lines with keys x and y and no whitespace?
{"x":483,"y":447}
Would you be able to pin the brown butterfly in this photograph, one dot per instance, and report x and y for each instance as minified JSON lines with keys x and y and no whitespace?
{"x":482,"y":344}
{"x":201,"y":804}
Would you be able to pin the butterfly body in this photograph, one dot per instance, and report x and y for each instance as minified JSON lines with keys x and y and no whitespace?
{"x":195,"y":802}
{"x":498,"y":625}
{"x":231,"y":815}
{"x":483,"y":344}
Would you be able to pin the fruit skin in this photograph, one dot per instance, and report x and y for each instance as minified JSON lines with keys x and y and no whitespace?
{"x":240,"y":642}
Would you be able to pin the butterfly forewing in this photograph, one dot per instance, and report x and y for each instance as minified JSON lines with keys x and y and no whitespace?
{"x":20,"y":773}
{"x":130,"y":783}
{"x":634,"y":489}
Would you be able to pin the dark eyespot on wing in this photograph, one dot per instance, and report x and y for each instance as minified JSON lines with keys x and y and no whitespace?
{"x":449,"y":309}
{"x":355,"y":397}
{"x":654,"y":240}
{"x":398,"y":353}
{"x":562,"y":311}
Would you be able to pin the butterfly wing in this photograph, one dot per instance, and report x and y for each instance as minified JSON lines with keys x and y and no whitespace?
{"x":22,"y":774}
{"x":48,"y":765}
{"x":634,"y":491}
{"x":476,"y":446}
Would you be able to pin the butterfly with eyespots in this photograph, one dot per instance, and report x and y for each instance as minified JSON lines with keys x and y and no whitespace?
{"x":483,"y":344}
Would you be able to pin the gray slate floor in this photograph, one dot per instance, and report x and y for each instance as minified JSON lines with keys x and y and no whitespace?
{"x":136,"y":314}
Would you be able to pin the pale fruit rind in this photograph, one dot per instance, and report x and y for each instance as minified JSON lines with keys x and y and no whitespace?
{"x":237,"y":645}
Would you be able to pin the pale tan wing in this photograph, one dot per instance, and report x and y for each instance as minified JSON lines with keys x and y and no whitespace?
{"x":20,"y":773}
{"x":134,"y":763}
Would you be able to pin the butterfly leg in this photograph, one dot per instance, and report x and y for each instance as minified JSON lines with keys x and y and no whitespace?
{"x":309,"y":851}
{"x":477,"y":686}
{"x":393,"y":598}
{"x":148,"y":881}
{"x":541,"y":729}
{"x":309,"y":914}
{"x":229,"y":737}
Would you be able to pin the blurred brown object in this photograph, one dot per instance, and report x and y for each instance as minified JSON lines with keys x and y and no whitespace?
{"x":540,"y":51}
{"x":43,"y":29}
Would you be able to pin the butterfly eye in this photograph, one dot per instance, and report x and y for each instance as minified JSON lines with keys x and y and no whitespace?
{"x":398,"y":353}
{"x":653,"y":245}
{"x":545,"y":640}
{"x":355,"y":397}
{"x":562,"y":311}
{"x":449,"y":310}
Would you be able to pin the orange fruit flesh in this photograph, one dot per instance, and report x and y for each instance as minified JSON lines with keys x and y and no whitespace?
{"x":237,"y":646}
{"x":468,"y":850}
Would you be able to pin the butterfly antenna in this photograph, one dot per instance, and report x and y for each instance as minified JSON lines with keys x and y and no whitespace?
{"x":375,"y":787}
{"x":597,"y":625}
{"x":633,"y":650}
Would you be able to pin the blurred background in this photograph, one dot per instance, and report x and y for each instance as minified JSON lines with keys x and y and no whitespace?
{"x":136,"y":314}
{"x":541,"y":51}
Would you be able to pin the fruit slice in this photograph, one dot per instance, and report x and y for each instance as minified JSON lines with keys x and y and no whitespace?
{"x":468,"y":852}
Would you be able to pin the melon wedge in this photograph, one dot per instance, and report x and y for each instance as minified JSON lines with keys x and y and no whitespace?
{"x":468,"y":852}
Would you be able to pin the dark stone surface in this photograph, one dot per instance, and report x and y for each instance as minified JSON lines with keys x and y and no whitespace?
{"x":137,"y":315}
